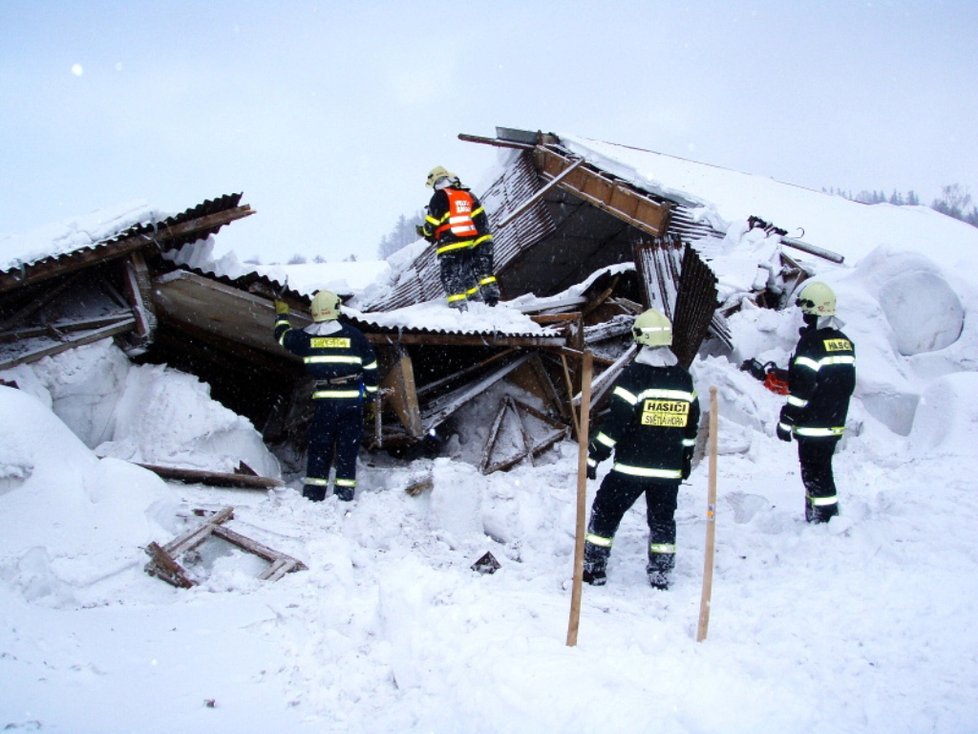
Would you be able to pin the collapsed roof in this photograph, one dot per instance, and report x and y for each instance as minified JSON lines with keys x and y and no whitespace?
{"x":580,"y":249}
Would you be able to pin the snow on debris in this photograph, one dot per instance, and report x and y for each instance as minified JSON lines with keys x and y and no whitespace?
{"x":73,"y":234}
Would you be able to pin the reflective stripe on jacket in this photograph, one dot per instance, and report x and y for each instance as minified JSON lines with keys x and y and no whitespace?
{"x":652,"y":424}
{"x":821,"y":379}
{"x":455,"y":220}
{"x":331,"y":357}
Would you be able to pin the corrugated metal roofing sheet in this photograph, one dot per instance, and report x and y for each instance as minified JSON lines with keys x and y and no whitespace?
{"x":374,"y":322}
{"x":154,"y":232}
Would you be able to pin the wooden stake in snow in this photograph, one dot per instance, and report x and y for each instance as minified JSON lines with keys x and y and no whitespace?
{"x":711,"y":527}
{"x":582,"y":438}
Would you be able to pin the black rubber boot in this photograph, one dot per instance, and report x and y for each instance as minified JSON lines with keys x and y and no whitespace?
{"x":314,"y":492}
{"x":595,"y":563}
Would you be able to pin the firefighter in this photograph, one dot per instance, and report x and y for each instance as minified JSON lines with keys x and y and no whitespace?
{"x":651,"y":428}
{"x":342,"y":363}
{"x":458,"y":226}
{"x":821,"y":377}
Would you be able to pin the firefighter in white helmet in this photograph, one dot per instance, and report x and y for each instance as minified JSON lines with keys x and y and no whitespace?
{"x":457,"y":225}
{"x":651,"y":429}
{"x":821,"y":378}
{"x":341,"y":361}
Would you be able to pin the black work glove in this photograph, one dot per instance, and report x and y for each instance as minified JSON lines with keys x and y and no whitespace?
{"x":420,"y":230}
{"x":592,"y":472}
{"x":687,"y":465}
{"x":785,"y":422}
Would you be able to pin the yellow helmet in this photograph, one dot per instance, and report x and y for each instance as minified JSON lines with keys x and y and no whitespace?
{"x":436,"y":174}
{"x":652,"y":329}
{"x":816,"y":299}
{"x":325,"y":306}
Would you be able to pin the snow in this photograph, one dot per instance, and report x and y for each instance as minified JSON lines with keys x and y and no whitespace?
{"x":73,"y":233}
{"x":861,"y":625}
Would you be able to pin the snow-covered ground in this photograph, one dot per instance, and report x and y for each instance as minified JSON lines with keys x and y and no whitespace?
{"x":861,"y":625}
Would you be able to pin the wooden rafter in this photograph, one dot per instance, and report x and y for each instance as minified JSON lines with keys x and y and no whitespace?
{"x":531,"y":449}
{"x":242,"y":480}
{"x":614,"y":196}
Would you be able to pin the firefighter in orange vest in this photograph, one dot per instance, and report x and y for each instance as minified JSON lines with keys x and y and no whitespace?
{"x":458,"y":226}
{"x":342,"y":363}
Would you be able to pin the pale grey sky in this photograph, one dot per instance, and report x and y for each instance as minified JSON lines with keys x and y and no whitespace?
{"x":328,"y":115}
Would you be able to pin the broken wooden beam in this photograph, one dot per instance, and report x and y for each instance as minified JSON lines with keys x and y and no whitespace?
{"x":214,"y":479}
{"x":87,"y":337}
{"x":164,"y":563}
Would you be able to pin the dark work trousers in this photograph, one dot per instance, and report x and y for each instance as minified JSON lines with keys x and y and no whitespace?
{"x":483,"y":279}
{"x":336,"y":428}
{"x":616,"y":494}
{"x":455,"y":268}
{"x":815,"y":456}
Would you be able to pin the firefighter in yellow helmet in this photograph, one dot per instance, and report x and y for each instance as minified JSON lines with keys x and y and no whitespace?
{"x":821,"y":378}
{"x":457,"y":225}
{"x":651,"y":430}
{"x":341,"y":361}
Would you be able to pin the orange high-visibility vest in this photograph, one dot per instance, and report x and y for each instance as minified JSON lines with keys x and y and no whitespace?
{"x":458,"y":219}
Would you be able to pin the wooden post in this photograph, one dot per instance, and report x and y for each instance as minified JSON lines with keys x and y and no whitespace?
{"x":582,"y":439}
{"x":711,"y":527}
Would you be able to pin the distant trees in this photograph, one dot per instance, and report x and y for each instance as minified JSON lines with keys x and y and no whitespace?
{"x":297,"y":259}
{"x":955,"y":201}
{"x":878,"y":197}
{"x":403,"y":233}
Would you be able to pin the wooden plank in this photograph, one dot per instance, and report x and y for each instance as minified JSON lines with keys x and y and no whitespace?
{"x":165,"y":567}
{"x":445,"y":406}
{"x":420,"y":486}
{"x":39,"y":301}
{"x":194,"y":537}
{"x":222,"y":310}
{"x":617,"y":198}
{"x":535,"y":450}
{"x":253,"y":546}
{"x":65,"y":326}
{"x":215,"y":479}
{"x":403,"y":394}
{"x":574,"y":618}
{"x":89,"y":337}
{"x":493,"y":436}
{"x":526,"y":204}
{"x":494,"y":141}
{"x":139,"y":293}
{"x":279,"y":568}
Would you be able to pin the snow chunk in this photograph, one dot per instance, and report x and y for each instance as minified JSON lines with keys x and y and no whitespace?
{"x":79,"y":520}
{"x":168,"y":417}
{"x":924,"y":312}
{"x":946,"y":421}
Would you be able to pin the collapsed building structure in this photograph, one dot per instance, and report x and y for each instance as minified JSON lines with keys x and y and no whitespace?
{"x":580,"y":250}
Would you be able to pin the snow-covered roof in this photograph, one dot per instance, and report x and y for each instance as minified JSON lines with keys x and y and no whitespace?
{"x":727,"y":199}
{"x":97,"y":232}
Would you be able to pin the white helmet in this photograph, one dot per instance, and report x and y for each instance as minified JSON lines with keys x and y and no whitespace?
{"x":437,"y":174}
{"x":816,"y":299}
{"x":652,"y":329}
{"x":325,"y":306}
